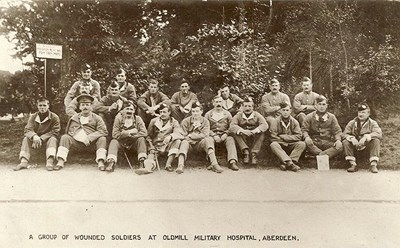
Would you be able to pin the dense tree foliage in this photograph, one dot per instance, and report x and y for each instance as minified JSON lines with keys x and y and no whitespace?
{"x":349,"y":48}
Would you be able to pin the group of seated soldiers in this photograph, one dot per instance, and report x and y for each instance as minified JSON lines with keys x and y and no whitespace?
{"x":154,"y":124}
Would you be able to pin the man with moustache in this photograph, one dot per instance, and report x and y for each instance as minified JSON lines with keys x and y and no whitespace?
{"x":43,"y":127}
{"x":303,"y":102}
{"x":150,"y":101}
{"x":181,"y":102}
{"x":321,"y":131}
{"x":73,"y":107}
{"x":129,"y":132}
{"x":362,"y":133}
{"x":196,"y":131}
{"x":230,"y":101}
{"x":270,"y":102}
{"x":110,"y":105}
{"x":83,"y":130}
{"x":126,"y":89}
{"x":164,"y":137}
{"x":220,"y":120}
{"x":286,"y":137}
{"x":248,"y":128}
{"x":94,"y":86}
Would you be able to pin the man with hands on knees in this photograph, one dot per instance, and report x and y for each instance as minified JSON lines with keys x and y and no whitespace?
{"x":220,"y":120}
{"x":43,"y":127}
{"x":248,"y":128}
{"x":362,"y":133}
{"x":181,"y":102}
{"x":321,"y":131}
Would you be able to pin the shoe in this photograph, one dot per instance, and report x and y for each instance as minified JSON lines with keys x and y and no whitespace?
{"x":353,"y":168}
{"x":49,"y":167}
{"x":102,"y":168}
{"x":57,"y":167}
{"x":246,"y":158}
{"x":254,"y":160}
{"x":282,"y":167}
{"x":141,"y":163}
{"x":217,"y":168}
{"x":233,"y":166}
{"x":374,"y":168}
{"x":143,"y":171}
{"x":179,"y":170}
{"x":169,"y":168}
{"x":210,"y":167}
{"x":294,"y":167}
{"x":21,"y":166}
{"x":110,"y":165}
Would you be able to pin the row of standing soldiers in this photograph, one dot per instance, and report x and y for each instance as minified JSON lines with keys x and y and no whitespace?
{"x":153,"y":124}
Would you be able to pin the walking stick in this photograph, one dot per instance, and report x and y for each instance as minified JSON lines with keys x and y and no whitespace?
{"x":127,"y":159}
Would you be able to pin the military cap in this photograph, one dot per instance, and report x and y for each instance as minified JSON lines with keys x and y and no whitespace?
{"x":362,"y":106}
{"x":273,"y":81}
{"x":84,"y":98}
{"x":284,"y":105}
{"x":321,"y":98}
{"x":197,"y":105}
{"x":85,"y":67}
{"x":248,"y":99}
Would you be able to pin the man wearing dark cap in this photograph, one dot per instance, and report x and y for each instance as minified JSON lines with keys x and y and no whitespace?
{"x":149,"y":101}
{"x":230,"y":101}
{"x":126,"y":89}
{"x":73,"y":107}
{"x":164,"y":137}
{"x":129,"y":132}
{"x":248,"y":127}
{"x":321,"y":131}
{"x":181,"y":102}
{"x":94,"y":86}
{"x":362,"y":133}
{"x":110,"y":105}
{"x":304,"y":102}
{"x":270,"y":102}
{"x":196,"y":131}
{"x":84,"y":129}
{"x":43,"y":127}
{"x":220,"y":120}
{"x":286,"y":137}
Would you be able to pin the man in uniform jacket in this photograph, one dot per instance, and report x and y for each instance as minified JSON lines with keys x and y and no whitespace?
{"x":149,"y":102}
{"x":181,"y":102}
{"x":126,"y":89}
{"x":248,"y":128}
{"x":196,"y":131}
{"x":129,"y":132}
{"x":286,"y":138}
{"x":362,"y":133}
{"x":321,"y":131}
{"x":110,"y":105}
{"x":94,"y":86}
{"x":43,"y":127}
{"x":230,"y":101}
{"x":84,"y":129}
{"x":73,"y":107}
{"x":304,"y":102}
{"x":164,"y":137}
{"x":270,"y":102}
{"x":220,"y":120}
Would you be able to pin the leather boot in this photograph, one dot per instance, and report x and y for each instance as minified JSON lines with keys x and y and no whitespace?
{"x":101,"y":165}
{"x":168,"y":166}
{"x":374,"y":168}
{"x":254,"y":160}
{"x":217,"y":168}
{"x":293,"y":167}
{"x":246,"y":158}
{"x":233,"y":165}
{"x":110,"y":165}
{"x":352,"y":168}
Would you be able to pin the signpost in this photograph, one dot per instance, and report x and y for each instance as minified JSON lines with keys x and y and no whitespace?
{"x":47,"y":51}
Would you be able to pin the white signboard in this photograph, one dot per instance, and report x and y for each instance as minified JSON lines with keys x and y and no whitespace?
{"x":47,"y":51}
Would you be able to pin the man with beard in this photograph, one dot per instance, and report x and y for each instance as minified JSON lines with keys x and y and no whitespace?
{"x":149,"y":102}
{"x":73,"y":107}
{"x":164,"y":137}
{"x":126,"y":89}
{"x":196,"y":131}
{"x":321,"y":131}
{"x":230,"y":101}
{"x":83,"y":130}
{"x":362,"y":133}
{"x":110,"y":105}
{"x":220,"y":120}
{"x":43,"y":127}
{"x":248,"y":128}
{"x":181,"y":102}
{"x":303,"y":102}
{"x":129,"y":132}
{"x":94,"y":86}
{"x":286,"y":137}
{"x":270,"y":102}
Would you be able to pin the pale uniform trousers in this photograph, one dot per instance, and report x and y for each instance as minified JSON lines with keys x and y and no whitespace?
{"x":324,"y":147}
{"x":171,"y":149}
{"x":26,"y":148}
{"x":282,"y":149}
{"x":230,"y":146}
{"x":206,"y":145}
{"x":67,"y":142}
{"x":136,"y":144}
{"x":372,"y":147}
{"x":255,"y":141}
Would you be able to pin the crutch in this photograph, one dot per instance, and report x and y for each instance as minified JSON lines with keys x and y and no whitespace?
{"x":127,"y":159}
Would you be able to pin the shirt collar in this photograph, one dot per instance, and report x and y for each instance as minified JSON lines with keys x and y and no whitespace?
{"x":160,"y":125}
{"x":248,"y":118}
{"x":37,"y":119}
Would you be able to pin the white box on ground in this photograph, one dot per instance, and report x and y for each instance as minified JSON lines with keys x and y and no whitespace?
{"x":323,"y":162}
{"x":47,"y":51}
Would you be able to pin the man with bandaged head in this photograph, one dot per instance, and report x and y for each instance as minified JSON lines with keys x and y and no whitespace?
{"x":129,"y":132}
{"x":362,"y":134}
